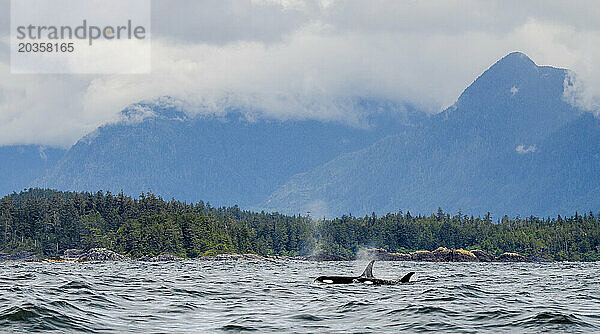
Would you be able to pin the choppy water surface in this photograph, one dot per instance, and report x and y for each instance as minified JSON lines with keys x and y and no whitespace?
{"x":203,"y":296}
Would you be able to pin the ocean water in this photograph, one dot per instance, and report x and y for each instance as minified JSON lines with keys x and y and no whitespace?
{"x":263,"y":296}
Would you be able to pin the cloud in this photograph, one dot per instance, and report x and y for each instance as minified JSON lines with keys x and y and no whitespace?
{"x":308,"y":59}
{"x":43,"y":109}
{"x":225,"y":21}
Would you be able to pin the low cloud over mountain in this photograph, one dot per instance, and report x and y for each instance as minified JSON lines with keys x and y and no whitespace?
{"x":495,"y":149}
{"x":306,"y":60}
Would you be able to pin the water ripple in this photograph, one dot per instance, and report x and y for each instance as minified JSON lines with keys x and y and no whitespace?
{"x":239,"y":296}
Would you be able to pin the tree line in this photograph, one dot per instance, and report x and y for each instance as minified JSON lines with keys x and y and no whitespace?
{"x":47,"y":222}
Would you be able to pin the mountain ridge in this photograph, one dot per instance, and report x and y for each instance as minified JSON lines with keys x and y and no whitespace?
{"x":466,"y":158}
{"x":223,"y":158}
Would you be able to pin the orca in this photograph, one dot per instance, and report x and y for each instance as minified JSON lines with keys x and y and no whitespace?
{"x":365,"y":278}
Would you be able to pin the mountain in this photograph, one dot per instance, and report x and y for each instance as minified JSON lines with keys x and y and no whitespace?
{"x":509,"y":145}
{"x":225,"y":159}
{"x":564,"y":173}
{"x":20,"y":165}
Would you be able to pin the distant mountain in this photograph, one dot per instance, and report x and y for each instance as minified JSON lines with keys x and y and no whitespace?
{"x":509,"y":145}
{"x":20,"y":165}
{"x":225,"y":159}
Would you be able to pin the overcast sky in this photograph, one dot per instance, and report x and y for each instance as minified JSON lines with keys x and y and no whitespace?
{"x":306,"y":59}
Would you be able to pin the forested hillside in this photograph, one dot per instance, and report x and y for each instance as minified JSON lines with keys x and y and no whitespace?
{"x":228,"y":158}
{"x":48,"y":222}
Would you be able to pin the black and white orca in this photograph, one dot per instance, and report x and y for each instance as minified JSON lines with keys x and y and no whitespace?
{"x":365,"y":278}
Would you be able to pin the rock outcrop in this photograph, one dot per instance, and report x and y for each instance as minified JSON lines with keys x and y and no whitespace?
{"x":94,"y":254}
{"x":443,"y":254}
{"x":160,"y":258}
{"x":224,"y":257}
{"x":325,"y":257}
{"x":423,"y":255}
{"x":511,"y":257}
{"x":103,"y":254}
{"x":483,"y":256}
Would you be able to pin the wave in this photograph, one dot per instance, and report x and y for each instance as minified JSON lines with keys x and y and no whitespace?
{"x":237,"y":328}
{"x":353,"y":305}
{"x":76,"y":285}
{"x":423,"y":309}
{"x":553,"y":318}
{"x":38,"y":317}
{"x":308,"y":317}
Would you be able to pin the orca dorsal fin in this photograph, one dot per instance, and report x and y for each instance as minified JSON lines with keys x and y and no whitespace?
{"x":369,"y":270}
{"x":407,"y":277}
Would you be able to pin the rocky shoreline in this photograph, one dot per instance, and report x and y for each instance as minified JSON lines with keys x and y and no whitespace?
{"x":441,"y":254}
